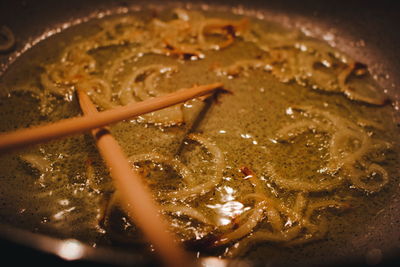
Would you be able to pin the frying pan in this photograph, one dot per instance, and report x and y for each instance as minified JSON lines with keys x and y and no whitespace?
{"x":367,"y":30}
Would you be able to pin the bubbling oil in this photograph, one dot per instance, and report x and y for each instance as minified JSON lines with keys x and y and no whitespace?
{"x":63,"y":189}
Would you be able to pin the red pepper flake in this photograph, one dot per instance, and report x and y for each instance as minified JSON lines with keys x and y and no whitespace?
{"x":202,"y":244}
{"x":247,"y":172}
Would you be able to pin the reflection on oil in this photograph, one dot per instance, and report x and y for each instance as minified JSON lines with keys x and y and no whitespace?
{"x":71,"y":250}
{"x":229,"y":208}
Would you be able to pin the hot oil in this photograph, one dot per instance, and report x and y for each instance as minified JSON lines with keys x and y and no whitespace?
{"x":242,"y":125}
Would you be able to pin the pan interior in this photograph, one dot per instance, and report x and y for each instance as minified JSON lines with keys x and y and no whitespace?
{"x":370,"y":212}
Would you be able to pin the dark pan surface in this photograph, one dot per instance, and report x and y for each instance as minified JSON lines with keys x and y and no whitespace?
{"x":367,"y":30}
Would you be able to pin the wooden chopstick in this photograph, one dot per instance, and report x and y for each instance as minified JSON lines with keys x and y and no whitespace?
{"x":135,"y":196}
{"x":38,"y":134}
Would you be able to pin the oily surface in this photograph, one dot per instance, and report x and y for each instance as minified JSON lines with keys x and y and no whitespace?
{"x":243,"y":125}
